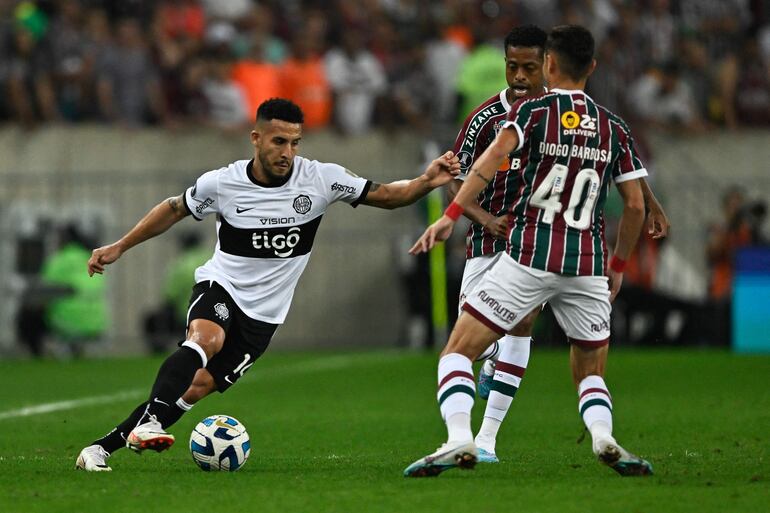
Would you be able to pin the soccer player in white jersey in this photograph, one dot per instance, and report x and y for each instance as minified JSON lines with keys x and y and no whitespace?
{"x":268,"y":210}
{"x":486,"y":239}
{"x":572,"y":150}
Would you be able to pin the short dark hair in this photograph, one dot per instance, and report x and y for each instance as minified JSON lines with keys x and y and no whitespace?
{"x":575,"y":46}
{"x":281,"y":109}
{"x":528,"y":36}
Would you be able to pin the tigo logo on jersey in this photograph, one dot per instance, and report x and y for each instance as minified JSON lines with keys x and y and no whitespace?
{"x":278,"y":242}
{"x":302,"y":204}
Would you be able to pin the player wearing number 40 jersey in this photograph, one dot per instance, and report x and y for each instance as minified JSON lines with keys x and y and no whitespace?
{"x":506,"y":360}
{"x":571,"y":151}
{"x":268,"y":210}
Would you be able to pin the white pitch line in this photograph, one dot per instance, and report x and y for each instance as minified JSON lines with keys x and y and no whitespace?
{"x":324,"y":364}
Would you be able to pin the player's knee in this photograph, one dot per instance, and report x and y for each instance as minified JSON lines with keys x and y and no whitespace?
{"x":208,"y":335}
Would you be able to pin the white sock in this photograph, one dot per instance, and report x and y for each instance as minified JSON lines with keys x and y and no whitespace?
{"x":456,"y":392}
{"x":595,"y":407}
{"x":511,"y":364}
{"x":492,"y":352}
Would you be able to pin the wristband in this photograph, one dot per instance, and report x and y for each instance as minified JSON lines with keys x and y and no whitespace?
{"x":454,"y":211}
{"x":617,"y":264}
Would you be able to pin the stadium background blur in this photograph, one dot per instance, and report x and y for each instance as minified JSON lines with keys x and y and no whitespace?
{"x":108,"y":107}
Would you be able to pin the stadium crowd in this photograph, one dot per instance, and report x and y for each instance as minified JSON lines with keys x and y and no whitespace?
{"x":355,"y":64}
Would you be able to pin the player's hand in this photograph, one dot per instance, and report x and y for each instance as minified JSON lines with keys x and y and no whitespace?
{"x":657,"y":222}
{"x":103,"y":256}
{"x":438,"y":231}
{"x":443,"y":169}
{"x":615,"y":281}
{"x":497,"y":227}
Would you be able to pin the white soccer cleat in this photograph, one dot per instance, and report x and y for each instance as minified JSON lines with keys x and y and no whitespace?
{"x":149,"y":435}
{"x":620,"y":460}
{"x":93,"y":459}
{"x":449,"y":455}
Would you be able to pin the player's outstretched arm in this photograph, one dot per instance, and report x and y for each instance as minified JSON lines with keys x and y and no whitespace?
{"x":657,"y":220}
{"x":405,"y":192}
{"x":162,"y":217}
{"x":497,"y":226}
{"x":481,"y":173}
{"x":629,"y":227}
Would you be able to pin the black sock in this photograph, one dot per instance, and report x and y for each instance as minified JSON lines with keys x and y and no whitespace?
{"x":116,"y":438}
{"x":174,"y":378}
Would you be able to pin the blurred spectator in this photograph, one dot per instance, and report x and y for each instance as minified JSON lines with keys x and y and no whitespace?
{"x":230,"y":10}
{"x":129,"y":87}
{"x":226,"y":103}
{"x":443,"y":55}
{"x":414,"y":91}
{"x":744,"y":84}
{"x":480,"y":76}
{"x":663,"y":100}
{"x":657,"y":29}
{"x":719,"y":22}
{"x":303,"y":80}
{"x":258,"y":77}
{"x":697,"y":73}
{"x":357,"y":79}
{"x":30,"y":86}
{"x":81,"y":317}
{"x":725,"y":237}
{"x":72,"y":74}
{"x":255,"y":36}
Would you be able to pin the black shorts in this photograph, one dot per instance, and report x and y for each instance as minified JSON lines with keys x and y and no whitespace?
{"x":245,"y":338}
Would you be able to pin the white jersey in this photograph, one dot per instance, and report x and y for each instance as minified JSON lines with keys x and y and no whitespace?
{"x":265,"y":233}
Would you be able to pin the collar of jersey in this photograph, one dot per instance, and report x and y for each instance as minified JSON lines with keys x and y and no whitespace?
{"x":253,"y":180}
{"x":570,"y":91}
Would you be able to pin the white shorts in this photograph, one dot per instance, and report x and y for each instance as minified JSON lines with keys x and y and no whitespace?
{"x":474,"y":270}
{"x":509,"y":291}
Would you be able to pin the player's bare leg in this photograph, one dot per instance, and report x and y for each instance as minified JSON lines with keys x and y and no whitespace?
{"x":455,"y":397}
{"x":595,"y":406}
{"x":498,"y":382}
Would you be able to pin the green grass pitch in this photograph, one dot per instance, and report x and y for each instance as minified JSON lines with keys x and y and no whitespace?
{"x":333,"y":432}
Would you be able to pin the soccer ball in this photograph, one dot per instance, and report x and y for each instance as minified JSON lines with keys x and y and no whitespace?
{"x":220,"y":442}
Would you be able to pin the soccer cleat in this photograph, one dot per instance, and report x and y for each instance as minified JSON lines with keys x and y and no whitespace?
{"x":623,"y":462}
{"x":449,"y":455}
{"x":149,"y":435}
{"x":486,"y":456}
{"x":93,"y":459}
{"x":486,"y":377}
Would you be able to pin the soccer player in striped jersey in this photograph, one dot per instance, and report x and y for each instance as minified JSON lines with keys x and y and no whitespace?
{"x":268,"y":210}
{"x":571,"y":150}
{"x":486,"y":238}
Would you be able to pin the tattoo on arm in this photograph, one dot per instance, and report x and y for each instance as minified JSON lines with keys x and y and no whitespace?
{"x":476,"y":172}
{"x":374,"y":187}
{"x":177,"y":205}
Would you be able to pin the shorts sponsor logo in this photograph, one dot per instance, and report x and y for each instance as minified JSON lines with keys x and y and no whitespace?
{"x":498,"y":309}
{"x":204,"y":205}
{"x":282,"y":244}
{"x":302,"y":204}
{"x":344,"y":188}
{"x":600,"y":327}
{"x":221,"y":311}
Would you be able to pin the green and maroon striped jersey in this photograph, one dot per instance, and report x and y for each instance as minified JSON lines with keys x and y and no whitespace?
{"x":571,"y":150}
{"x":479,"y":130}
